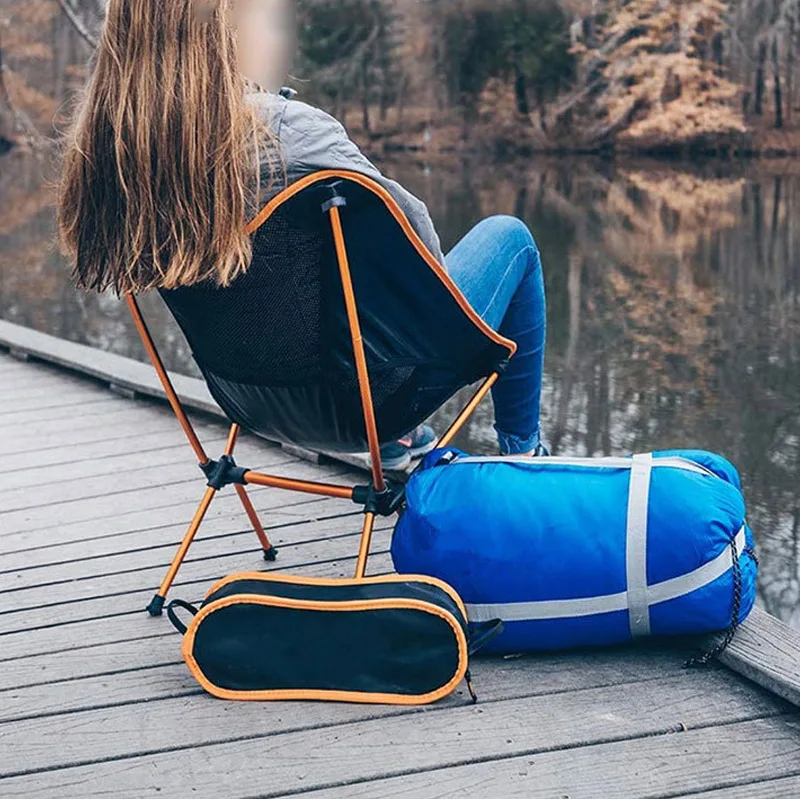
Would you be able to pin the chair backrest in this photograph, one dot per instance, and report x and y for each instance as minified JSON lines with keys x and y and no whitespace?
{"x":275,"y":347}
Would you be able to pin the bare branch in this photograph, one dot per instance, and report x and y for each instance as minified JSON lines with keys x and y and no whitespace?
{"x":77,"y":23}
{"x":15,"y":127}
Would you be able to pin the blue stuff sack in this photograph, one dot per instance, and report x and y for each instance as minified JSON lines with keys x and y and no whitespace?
{"x":573,"y":552}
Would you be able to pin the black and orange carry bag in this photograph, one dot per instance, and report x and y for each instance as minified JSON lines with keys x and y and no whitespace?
{"x":393,"y":639}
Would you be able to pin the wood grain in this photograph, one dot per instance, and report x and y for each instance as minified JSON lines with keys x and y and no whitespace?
{"x":767,"y":651}
{"x":279,"y":521}
{"x":780,"y":787}
{"x":104,"y":366}
{"x":276,"y":763}
{"x":495,"y":678}
{"x":89,"y":669}
{"x":657,"y":766}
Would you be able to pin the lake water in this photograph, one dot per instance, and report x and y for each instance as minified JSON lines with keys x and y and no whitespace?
{"x":674,"y":311}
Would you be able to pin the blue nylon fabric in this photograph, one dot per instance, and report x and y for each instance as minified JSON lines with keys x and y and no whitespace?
{"x":505,"y":532}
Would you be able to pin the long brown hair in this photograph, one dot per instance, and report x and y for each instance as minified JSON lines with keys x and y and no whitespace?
{"x":161,"y":167}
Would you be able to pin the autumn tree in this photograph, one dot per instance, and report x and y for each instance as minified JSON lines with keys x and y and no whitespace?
{"x":655,"y":81}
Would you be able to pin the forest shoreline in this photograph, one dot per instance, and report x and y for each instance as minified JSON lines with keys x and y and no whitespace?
{"x":441,"y":141}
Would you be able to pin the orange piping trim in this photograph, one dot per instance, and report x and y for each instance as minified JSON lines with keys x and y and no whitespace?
{"x":298,"y":580}
{"x":326,"y":694}
{"x":315,"y":177}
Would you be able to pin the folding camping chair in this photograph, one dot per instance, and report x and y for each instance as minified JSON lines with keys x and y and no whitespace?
{"x":345,"y":332}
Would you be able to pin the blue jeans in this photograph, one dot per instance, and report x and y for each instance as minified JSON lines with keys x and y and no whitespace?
{"x":498,"y":268}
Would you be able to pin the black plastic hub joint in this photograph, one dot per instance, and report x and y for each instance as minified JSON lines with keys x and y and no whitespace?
{"x":384,"y":503}
{"x":223,"y":473}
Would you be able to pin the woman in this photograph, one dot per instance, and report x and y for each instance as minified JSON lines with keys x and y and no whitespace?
{"x":176,"y":145}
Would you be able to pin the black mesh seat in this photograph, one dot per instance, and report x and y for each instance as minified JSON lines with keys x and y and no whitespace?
{"x":275,"y":347}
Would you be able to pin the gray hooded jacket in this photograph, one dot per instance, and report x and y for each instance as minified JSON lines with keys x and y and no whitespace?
{"x":311,"y":140}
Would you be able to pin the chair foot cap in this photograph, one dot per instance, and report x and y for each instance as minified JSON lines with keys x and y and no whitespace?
{"x":271,"y":554}
{"x":156,"y":607}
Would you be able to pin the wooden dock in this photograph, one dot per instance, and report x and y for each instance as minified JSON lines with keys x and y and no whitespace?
{"x":95,"y":701}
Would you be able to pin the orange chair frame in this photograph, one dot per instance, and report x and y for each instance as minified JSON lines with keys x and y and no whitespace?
{"x":155,"y":608}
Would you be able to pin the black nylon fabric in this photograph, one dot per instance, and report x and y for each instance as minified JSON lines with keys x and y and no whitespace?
{"x":247,"y":646}
{"x":363,"y":590}
{"x":275,"y":348}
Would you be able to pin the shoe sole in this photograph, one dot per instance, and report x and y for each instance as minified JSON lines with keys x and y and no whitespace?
{"x":417,"y":452}
{"x":393,"y":466}
{"x":413,"y":453}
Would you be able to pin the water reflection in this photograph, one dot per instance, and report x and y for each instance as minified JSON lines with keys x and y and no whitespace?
{"x":674,"y":297}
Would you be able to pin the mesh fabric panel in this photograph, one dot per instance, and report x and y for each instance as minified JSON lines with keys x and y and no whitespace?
{"x":265,"y":327}
{"x":275,"y":345}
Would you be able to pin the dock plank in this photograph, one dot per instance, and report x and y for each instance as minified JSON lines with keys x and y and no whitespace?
{"x":115,"y":595}
{"x":159,"y":516}
{"x":134,"y":413}
{"x":141,"y":471}
{"x":114,"y":464}
{"x":157,"y":694}
{"x":185,"y":490}
{"x":780,"y":787}
{"x":57,"y":405}
{"x":767,"y":651}
{"x":90,"y":667}
{"x":657,"y":766}
{"x":117,"y":577}
{"x":67,"y":412}
{"x":52,"y":454}
{"x":279,"y":523}
{"x":90,"y":435}
{"x":235,"y":537}
{"x":278,"y":763}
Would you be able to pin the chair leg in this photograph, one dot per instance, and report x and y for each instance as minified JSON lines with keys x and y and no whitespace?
{"x":366,"y":540}
{"x":270,"y":553}
{"x":156,"y":606}
{"x":468,"y":410}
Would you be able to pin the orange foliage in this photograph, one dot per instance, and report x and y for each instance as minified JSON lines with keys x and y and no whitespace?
{"x":662,"y":89}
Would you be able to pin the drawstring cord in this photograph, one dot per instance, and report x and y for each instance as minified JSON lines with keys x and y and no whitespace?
{"x":705,"y":658}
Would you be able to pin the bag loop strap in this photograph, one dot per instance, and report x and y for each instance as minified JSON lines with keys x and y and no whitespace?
{"x":481,"y":633}
{"x":173,"y":617}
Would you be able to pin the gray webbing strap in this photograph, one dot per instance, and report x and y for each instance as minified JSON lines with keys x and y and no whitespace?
{"x":636,"y":545}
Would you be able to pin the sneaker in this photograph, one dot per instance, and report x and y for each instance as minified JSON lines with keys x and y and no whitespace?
{"x":398,"y":455}
{"x":423,"y":440}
